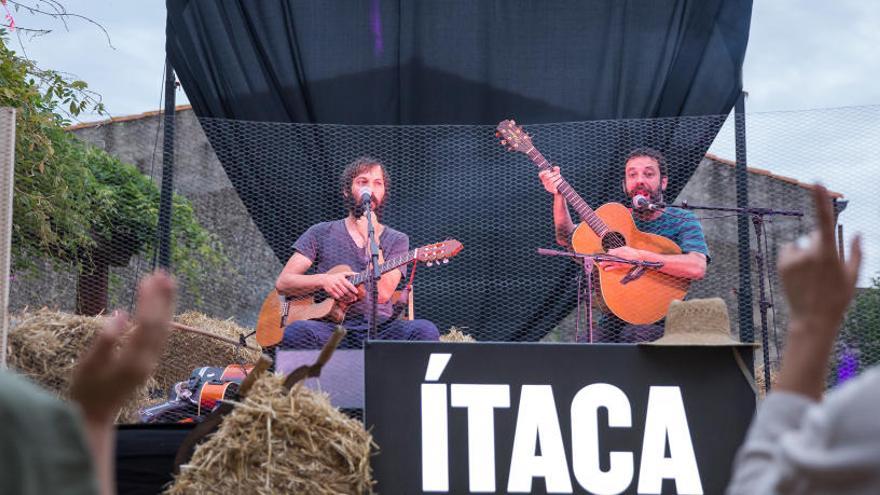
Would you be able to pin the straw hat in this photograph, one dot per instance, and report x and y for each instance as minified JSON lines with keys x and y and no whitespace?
{"x":700,"y":322}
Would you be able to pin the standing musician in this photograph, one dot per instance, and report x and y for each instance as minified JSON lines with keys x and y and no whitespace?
{"x":345,"y":242}
{"x":645,"y":174}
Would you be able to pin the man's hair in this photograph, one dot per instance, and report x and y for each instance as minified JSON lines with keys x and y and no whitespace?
{"x":360,"y":165}
{"x":650,"y":153}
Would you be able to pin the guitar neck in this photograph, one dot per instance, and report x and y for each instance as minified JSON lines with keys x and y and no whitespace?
{"x":390,"y":264}
{"x":574,"y":199}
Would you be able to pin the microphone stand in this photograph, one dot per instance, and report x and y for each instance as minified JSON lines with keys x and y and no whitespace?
{"x":757,"y":215}
{"x":588,"y":261}
{"x":376,"y":274}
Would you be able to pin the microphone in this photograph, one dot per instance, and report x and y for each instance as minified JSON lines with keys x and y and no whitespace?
{"x":366,"y":196}
{"x":641,"y":203}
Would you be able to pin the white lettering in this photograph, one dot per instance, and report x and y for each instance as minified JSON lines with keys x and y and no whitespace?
{"x":666,"y":419}
{"x":538,"y":423}
{"x":435,"y":427}
{"x":481,"y":402}
{"x":585,"y":439}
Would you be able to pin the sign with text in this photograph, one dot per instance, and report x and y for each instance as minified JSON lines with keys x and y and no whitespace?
{"x":554,"y":418}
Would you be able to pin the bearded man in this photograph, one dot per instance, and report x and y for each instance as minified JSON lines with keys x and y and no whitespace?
{"x":645,"y":174}
{"x":345,"y":242}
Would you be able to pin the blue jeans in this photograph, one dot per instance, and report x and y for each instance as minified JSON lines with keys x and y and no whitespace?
{"x":308,"y":334}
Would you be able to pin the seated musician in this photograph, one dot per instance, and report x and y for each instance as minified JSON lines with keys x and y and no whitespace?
{"x":645,"y":173}
{"x":345,"y":242}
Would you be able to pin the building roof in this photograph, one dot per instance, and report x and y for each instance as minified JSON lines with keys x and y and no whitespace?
{"x":124,"y":118}
{"x":761,"y":171}
{"x":714,"y":158}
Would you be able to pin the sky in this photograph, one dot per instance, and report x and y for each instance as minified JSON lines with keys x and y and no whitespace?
{"x":811,"y":72}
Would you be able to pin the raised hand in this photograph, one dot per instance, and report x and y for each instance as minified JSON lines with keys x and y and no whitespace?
{"x":818,"y":285}
{"x":113,"y":368}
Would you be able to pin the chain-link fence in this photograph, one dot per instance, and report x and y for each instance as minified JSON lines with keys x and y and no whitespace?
{"x":247,"y":191}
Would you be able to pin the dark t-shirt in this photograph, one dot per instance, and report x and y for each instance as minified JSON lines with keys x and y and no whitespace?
{"x":328,"y":244}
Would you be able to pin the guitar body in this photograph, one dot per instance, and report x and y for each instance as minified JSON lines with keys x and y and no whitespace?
{"x":271,"y":322}
{"x":646,"y":299}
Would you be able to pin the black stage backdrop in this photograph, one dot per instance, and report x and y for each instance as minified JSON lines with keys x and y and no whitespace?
{"x":455,"y":62}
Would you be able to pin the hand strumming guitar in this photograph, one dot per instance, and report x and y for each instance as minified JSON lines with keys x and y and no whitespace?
{"x":625,"y":252}
{"x":339,"y":286}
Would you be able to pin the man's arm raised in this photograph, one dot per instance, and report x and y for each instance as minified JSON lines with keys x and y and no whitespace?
{"x":562,"y":222}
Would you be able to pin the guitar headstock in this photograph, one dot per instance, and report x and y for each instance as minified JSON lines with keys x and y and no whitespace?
{"x":513,"y":137}
{"x":439,"y":252}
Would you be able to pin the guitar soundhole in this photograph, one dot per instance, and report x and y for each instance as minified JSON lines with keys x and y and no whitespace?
{"x":613,"y":240}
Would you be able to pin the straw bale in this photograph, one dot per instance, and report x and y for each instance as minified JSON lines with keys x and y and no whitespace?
{"x":46,"y":345}
{"x":281,"y":442}
{"x":456,"y":334}
{"x":188,"y":351}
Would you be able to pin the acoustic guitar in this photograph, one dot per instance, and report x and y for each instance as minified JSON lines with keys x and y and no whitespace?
{"x":639,"y":300}
{"x":279,"y":311}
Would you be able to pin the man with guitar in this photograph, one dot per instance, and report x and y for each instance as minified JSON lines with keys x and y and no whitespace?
{"x":645,"y":175}
{"x":345,"y":242}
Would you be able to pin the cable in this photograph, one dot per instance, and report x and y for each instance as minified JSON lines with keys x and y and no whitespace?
{"x":137,"y":268}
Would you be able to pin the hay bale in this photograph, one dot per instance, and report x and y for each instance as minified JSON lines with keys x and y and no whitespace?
{"x":278,"y":442}
{"x":46,"y":345}
{"x":188,"y":351}
{"x":456,"y":334}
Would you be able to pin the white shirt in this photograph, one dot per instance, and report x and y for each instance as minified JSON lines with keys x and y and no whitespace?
{"x":798,"y":446}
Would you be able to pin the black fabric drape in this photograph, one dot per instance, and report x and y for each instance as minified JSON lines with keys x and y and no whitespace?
{"x":457,"y":62}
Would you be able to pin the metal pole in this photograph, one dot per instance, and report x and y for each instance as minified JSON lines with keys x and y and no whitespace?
{"x":7,"y":177}
{"x":746,"y":321}
{"x":164,"y":234}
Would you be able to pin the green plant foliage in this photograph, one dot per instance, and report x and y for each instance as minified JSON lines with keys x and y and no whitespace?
{"x":862,"y":324}
{"x":74,"y":201}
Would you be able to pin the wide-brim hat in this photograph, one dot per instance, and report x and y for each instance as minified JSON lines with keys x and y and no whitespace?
{"x":698,"y":322}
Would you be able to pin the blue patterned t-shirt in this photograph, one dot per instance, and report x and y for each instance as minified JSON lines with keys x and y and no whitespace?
{"x":679,"y":226}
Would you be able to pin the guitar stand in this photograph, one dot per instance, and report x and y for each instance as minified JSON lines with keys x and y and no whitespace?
{"x":589,"y":260}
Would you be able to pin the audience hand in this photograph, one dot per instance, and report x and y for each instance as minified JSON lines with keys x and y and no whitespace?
{"x":819,"y":287}
{"x":106,"y":376}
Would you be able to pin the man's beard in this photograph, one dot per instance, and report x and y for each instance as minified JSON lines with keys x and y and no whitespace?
{"x":654,"y":196}
{"x":356,"y":208}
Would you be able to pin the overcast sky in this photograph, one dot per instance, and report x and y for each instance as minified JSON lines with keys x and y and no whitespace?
{"x":802,"y":55}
